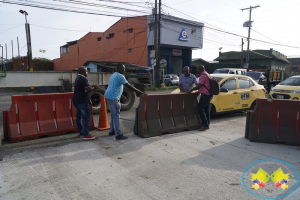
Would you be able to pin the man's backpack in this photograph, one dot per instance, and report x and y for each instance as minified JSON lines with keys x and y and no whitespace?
{"x":214,"y":85}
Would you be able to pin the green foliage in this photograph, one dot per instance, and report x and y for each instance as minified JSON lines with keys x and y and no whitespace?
{"x":161,"y":88}
{"x":42,"y":59}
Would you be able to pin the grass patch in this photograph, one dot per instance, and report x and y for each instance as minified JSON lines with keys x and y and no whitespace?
{"x":161,"y":88}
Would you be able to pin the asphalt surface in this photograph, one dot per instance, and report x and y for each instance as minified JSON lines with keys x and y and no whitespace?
{"x":186,"y":165}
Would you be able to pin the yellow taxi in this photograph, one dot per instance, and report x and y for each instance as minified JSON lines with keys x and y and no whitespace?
{"x":288,"y":89}
{"x":237,"y":93}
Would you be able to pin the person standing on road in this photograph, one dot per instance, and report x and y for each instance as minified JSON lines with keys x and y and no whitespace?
{"x":82,"y":103}
{"x":205,"y":98}
{"x":113,"y":94}
{"x":186,"y":80}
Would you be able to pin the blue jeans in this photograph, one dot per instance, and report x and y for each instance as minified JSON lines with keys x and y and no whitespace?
{"x":203,"y":109}
{"x":83,"y":118}
{"x":115,"y":108}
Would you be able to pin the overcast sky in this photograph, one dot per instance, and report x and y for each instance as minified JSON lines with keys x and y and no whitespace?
{"x":275,"y":21}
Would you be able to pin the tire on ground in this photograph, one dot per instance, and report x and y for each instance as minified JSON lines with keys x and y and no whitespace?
{"x":95,"y":97}
{"x":130,"y":99}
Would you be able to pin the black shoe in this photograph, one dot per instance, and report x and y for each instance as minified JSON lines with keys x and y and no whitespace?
{"x":203,"y":128}
{"x":111,"y":133}
{"x":120,"y":137}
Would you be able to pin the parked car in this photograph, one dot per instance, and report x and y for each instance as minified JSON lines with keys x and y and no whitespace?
{"x":238,"y":71}
{"x":269,"y":79}
{"x":259,"y":77}
{"x":288,"y":89}
{"x":170,"y":79}
{"x":238,"y":93}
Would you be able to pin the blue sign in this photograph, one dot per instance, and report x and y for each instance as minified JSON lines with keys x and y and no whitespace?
{"x":183,"y":35}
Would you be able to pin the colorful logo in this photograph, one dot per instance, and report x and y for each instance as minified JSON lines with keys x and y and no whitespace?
{"x":270,"y":178}
{"x":183,"y":35}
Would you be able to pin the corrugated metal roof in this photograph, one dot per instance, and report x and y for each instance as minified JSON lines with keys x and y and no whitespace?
{"x":255,"y":54}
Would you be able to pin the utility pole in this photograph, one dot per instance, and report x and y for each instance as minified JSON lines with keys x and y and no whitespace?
{"x":12,"y":54}
{"x":18,"y":47}
{"x":12,"y":49}
{"x":242,"y":53}
{"x":155,"y":71}
{"x":5,"y":57}
{"x":249,"y":24}
{"x":158,"y":44}
{"x":2,"y":57}
{"x":29,"y":49}
{"x":157,"y":47}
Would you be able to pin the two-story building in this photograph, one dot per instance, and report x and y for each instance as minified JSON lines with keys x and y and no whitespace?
{"x":131,"y":40}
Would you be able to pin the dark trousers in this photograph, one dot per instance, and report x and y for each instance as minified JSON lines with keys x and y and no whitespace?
{"x":204,"y":109}
{"x":83,"y":118}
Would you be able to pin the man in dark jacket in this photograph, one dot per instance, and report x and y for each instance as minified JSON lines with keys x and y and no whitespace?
{"x":82,"y":103}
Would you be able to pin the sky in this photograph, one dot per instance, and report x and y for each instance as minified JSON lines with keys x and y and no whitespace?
{"x":275,"y":21}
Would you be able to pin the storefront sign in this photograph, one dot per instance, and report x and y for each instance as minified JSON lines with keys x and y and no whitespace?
{"x":177,"y":52}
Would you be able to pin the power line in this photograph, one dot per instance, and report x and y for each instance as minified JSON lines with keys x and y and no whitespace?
{"x":63,"y":9}
{"x":100,"y":5}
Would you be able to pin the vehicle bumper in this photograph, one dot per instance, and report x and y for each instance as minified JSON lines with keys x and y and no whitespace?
{"x":278,"y":95}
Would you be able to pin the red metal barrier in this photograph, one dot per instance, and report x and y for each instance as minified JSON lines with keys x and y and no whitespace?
{"x":33,"y":116}
{"x":171,"y":113}
{"x":274,"y":121}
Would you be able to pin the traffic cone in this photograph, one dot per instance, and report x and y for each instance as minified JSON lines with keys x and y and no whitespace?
{"x":103,"y":123}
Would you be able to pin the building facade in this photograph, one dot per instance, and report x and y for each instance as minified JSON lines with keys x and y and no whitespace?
{"x":259,"y":59}
{"x":131,"y":40}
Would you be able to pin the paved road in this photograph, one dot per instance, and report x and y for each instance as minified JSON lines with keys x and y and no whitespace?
{"x":188,"y":165}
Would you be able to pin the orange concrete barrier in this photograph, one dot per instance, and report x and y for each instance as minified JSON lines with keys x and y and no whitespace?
{"x":274,"y":121}
{"x":33,"y":116}
{"x":168,"y":113}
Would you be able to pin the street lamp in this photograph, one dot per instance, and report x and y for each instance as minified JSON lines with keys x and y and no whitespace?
{"x":25,"y":13}
{"x":29,"y":51}
{"x":2,"y":57}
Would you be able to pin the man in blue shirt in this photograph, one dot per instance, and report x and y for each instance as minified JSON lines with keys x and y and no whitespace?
{"x":186,"y":80}
{"x":113,"y":94}
{"x":82,"y":103}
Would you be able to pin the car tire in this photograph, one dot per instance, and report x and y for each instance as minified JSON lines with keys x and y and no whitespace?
{"x":130,"y":99}
{"x":95,"y":97}
{"x":169,"y":84}
{"x":213,"y":111}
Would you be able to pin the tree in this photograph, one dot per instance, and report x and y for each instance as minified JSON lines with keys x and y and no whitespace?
{"x":42,"y":51}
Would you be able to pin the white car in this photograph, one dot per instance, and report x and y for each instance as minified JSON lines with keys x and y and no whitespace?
{"x":170,"y":79}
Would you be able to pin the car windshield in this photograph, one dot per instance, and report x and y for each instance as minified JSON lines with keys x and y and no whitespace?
{"x":221,"y":71}
{"x":253,"y":75}
{"x":292,"y":81}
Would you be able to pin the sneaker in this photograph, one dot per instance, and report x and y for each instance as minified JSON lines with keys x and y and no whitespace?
{"x":111,"y":133}
{"x":88,"y":137}
{"x":120,"y":137}
{"x":203,"y":128}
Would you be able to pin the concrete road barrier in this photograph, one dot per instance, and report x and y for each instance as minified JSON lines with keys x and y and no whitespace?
{"x":33,"y":116}
{"x":274,"y":121}
{"x":166,"y":113}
